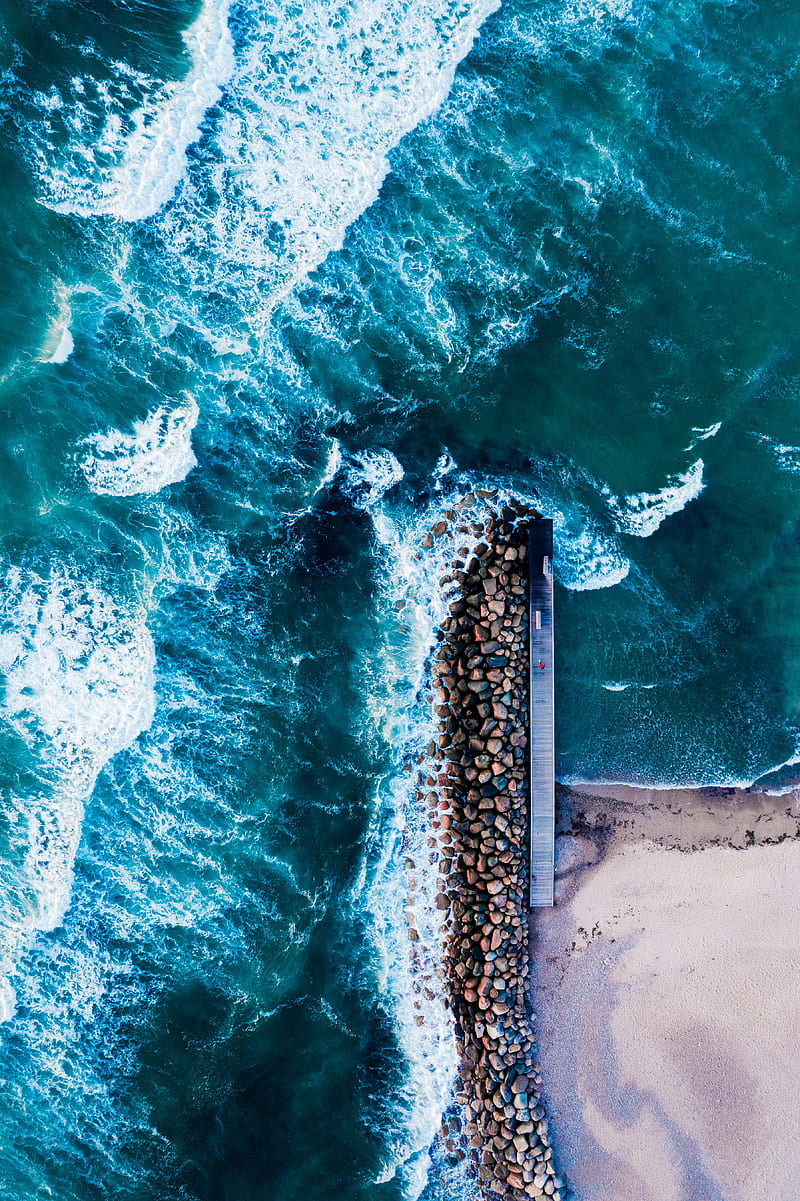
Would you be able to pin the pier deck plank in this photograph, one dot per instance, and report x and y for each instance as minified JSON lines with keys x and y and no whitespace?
{"x":541,"y":739}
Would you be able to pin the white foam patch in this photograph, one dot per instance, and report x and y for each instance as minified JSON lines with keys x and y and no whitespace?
{"x":333,"y":462}
{"x":131,"y":166}
{"x":65,"y":347}
{"x":158,"y":452}
{"x":585,"y":25}
{"x":315,"y":97}
{"x":585,"y":557}
{"x":766,"y":782}
{"x":320,"y":96}
{"x":78,"y":688}
{"x":445,"y":464}
{"x":643,"y":513}
{"x":623,"y":687}
{"x":154,"y":158}
{"x":369,"y":475}
{"x":395,"y":692}
{"x":787,"y":457}
{"x":8,"y":1001}
{"x":703,"y":432}
{"x":58,"y":343}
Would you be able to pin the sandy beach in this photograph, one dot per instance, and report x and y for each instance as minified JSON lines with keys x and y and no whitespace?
{"x":665,"y":983}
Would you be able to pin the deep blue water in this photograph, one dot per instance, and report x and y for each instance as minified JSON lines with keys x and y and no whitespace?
{"x":278,"y":284}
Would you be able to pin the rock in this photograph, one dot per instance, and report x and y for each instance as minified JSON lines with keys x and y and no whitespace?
{"x":480,"y":807}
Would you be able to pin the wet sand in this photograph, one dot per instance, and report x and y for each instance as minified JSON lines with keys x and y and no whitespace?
{"x":665,"y":983}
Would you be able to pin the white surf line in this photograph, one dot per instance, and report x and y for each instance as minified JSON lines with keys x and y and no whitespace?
{"x":641,"y":514}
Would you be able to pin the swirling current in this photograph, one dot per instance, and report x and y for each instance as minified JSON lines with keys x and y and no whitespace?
{"x":279,"y":281}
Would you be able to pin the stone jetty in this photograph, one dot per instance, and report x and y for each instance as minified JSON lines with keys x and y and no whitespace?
{"x":477,"y":794}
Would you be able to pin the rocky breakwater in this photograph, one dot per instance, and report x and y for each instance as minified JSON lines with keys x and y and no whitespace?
{"x":478,"y":800}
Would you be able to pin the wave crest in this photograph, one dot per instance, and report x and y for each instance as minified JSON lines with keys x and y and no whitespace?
{"x":642,"y":513}
{"x":78,"y":688}
{"x":157,"y":453}
{"x":130,"y":167}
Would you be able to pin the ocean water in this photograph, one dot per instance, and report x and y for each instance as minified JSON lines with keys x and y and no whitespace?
{"x":279,"y":283}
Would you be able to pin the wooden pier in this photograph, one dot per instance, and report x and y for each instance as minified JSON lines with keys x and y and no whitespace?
{"x":541,"y":748}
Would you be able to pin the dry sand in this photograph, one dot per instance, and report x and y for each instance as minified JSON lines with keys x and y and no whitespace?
{"x":666,"y":983}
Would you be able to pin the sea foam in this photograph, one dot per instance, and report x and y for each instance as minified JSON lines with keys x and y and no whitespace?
{"x":79,"y":688}
{"x":318,"y":98}
{"x":398,"y":894}
{"x":787,"y":457}
{"x":369,"y":475}
{"x":154,"y":155}
{"x":66,"y":345}
{"x":311,"y":102}
{"x":586,"y":558}
{"x":125,"y":159}
{"x":58,"y":343}
{"x":703,"y":432}
{"x":158,"y":452}
{"x":643,"y":513}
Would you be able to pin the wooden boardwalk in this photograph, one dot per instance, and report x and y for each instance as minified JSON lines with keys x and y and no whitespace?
{"x":542,"y":750}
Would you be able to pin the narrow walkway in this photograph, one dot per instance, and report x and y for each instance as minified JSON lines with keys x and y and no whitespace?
{"x":542,"y":754}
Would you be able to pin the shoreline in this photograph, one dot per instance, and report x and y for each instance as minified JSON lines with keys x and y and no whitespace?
{"x":519,"y":1102}
{"x":687,"y":819}
{"x":665,"y":982}
{"x":711,"y":789}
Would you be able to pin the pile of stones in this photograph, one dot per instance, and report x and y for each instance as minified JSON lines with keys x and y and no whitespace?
{"x":477,"y":794}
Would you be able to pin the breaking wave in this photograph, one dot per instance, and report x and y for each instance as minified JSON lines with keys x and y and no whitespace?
{"x":78,"y":688}
{"x":314,"y":99}
{"x":129,"y":158}
{"x":585,"y":558}
{"x":643,"y":513}
{"x":157,"y":453}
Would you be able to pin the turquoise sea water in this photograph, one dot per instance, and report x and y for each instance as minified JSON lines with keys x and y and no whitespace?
{"x":278,"y":283}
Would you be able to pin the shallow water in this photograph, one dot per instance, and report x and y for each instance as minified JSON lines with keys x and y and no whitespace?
{"x":278,"y":284}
